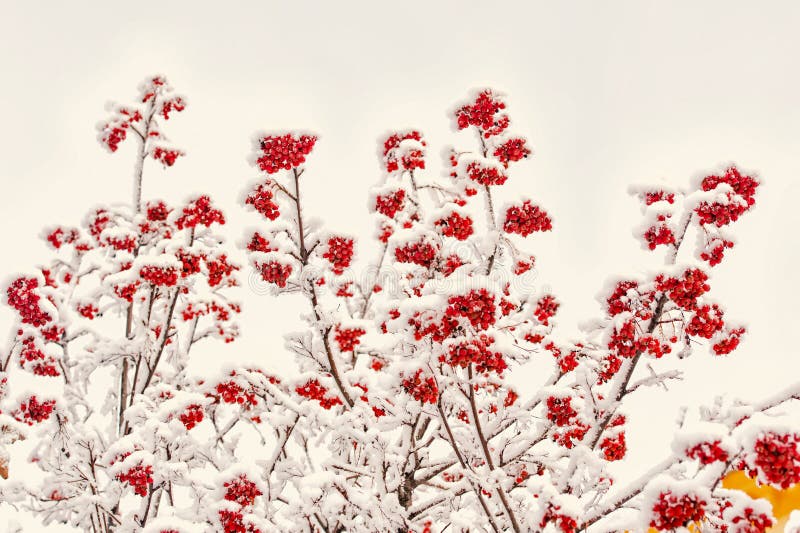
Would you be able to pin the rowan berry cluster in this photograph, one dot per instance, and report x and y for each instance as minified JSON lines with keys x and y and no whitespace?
{"x":241,"y":490}
{"x":23,"y":297}
{"x":708,"y":452}
{"x":390,"y":204}
{"x":283,"y":152}
{"x":671,"y":511}
{"x":313,"y":390}
{"x":348,"y":338}
{"x":422,"y":388}
{"x":339,"y":253}
{"x":477,"y":306}
{"x":32,"y":411}
{"x":456,"y":226}
{"x":261,"y":198}
{"x":421,"y":253}
{"x":399,"y":154}
{"x":192,"y":416}
{"x":275,"y":272}
{"x":485,"y":114}
{"x":159,"y":276}
{"x":526,"y":219}
{"x":200,"y":212}
{"x":139,"y":477}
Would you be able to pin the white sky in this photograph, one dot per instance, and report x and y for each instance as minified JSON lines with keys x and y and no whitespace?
{"x":609,"y":94}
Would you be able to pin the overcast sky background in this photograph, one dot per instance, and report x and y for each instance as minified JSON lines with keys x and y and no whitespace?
{"x":609,"y":93}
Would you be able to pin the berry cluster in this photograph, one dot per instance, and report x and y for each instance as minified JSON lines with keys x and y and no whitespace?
{"x":706,"y":322}
{"x":614,"y":448}
{"x":348,"y":338}
{"x":476,"y":351}
{"x":456,"y":226}
{"x":157,"y":211}
{"x":483,"y":114}
{"x":671,"y":512}
{"x":421,"y":388}
{"x":219,"y":269}
{"x":33,"y":411}
{"x":546,"y":308}
{"x":35,"y":360}
{"x":159,"y":276}
{"x":241,"y":491}
{"x":419,"y":253}
{"x":22,"y":297}
{"x":659,"y":235}
{"x":192,"y":416}
{"x":176,"y":104}
{"x":88,"y":310}
{"x":261,"y":200}
{"x":560,"y":410}
{"x":275,"y":272}
{"x":526,"y":219}
{"x":200,"y":212}
{"x":511,"y":150}
{"x":139,"y":478}
{"x":486,"y":175}
{"x":313,"y":390}
{"x":232,"y":392}
{"x":59,"y":237}
{"x":750,"y":521}
{"x":397,"y":156}
{"x":477,"y":306}
{"x":729,"y":343}
{"x":651,"y":197}
{"x":233,"y":522}
{"x":714,"y":251}
{"x":684,"y":291}
{"x":339,"y":253}
{"x":563,"y":522}
{"x":739,"y":197}
{"x":708,"y":452}
{"x":166,"y":156}
{"x":776,"y":459}
{"x":389,"y":204}
{"x":283,"y":152}
{"x":259,"y":243}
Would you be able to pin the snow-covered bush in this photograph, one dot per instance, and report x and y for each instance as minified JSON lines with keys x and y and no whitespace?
{"x":401,"y":417}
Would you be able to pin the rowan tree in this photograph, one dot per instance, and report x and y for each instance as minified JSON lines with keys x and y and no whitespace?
{"x":400,"y":416}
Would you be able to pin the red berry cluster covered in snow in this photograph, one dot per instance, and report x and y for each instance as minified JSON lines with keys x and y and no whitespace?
{"x":262,"y":201}
{"x":275,"y":272}
{"x":32,"y":411}
{"x":23,"y":297}
{"x":313,"y":390}
{"x":477,"y":306}
{"x":485,"y":113}
{"x":526,"y":219}
{"x":455,"y":225}
{"x":476,"y":351}
{"x":241,"y":490}
{"x":283,"y":152}
{"x":348,"y":338}
{"x":200,"y":212}
{"x":339,"y":253}
{"x":775,"y":459}
{"x":674,"y":511}
{"x":404,"y":151}
{"x":421,"y":387}
{"x":139,"y":477}
{"x":389,"y":204}
{"x":420,"y":253}
{"x":192,"y":416}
